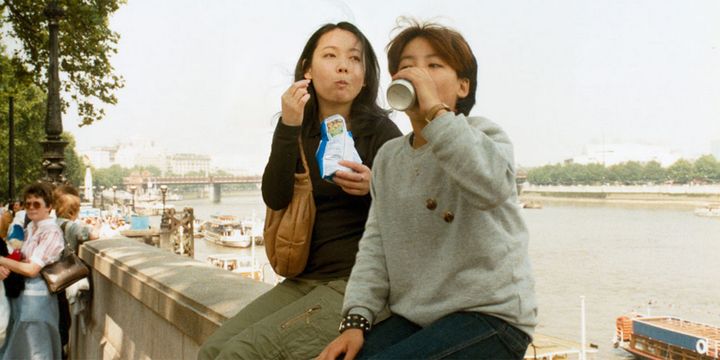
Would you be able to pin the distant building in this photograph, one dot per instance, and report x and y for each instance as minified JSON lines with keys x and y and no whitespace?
{"x":100,"y":157}
{"x":136,"y":152}
{"x":141,"y":152}
{"x":181,"y":164}
{"x":612,"y":154}
{"x":144,"y":153}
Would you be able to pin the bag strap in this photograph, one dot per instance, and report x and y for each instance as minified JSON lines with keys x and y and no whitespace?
{"x":304,"y":160}
{"x":63,"y":227}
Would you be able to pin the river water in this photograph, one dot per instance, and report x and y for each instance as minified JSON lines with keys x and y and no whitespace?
{"x":620,"y":259}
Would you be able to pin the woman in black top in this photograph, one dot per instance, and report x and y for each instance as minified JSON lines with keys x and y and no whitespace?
{"x":337,"y":73}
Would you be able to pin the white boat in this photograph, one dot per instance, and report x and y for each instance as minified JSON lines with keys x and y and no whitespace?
{"x":151,"y":208}
{"x":226,"y":230}
{"x":710,"y":210}
{"x":244,"y":265}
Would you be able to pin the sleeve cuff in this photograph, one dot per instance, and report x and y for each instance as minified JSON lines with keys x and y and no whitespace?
{"x":287,"y":131}
{"x":364,"y":312}
{"x":438,"y":125}
{"x":37,"y":261}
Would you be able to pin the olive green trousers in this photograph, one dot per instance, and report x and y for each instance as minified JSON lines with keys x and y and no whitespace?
{"x":294,"y":320}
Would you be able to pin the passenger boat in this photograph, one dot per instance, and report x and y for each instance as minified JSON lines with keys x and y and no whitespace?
{"x":226,"y":230}
{"x":244,"y":265}
{"x":667,"y":337}
{"x":151,"y":208}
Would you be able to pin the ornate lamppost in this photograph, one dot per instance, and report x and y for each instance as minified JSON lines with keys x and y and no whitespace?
{"x":163,"y":190}
{"x":164,"y":221}
{"x":53,"y":146}
{"x":102,"y":198}
{"x":95,"y":189}
{"x":132,"y":189}
{"x":114,"y":188}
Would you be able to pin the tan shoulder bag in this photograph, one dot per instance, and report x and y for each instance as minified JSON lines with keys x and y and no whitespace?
{"x":288,"y":231}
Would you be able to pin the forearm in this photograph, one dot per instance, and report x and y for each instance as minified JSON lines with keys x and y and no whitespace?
{"x":26,"y":269}
{"x":478,"y":158}
{"x":368,"y":287}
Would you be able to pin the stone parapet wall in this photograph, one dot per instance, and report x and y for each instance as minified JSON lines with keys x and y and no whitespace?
{"x":151,"y":304}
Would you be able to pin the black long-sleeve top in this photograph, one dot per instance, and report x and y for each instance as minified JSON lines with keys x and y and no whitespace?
{"x":340,"y":217}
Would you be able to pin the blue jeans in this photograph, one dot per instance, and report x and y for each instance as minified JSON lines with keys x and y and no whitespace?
{"x":461,"y":335}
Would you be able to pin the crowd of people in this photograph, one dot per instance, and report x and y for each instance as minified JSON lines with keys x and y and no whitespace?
{"x":34,"y":233}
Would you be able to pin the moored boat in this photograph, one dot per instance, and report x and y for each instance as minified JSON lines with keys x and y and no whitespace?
{"x":531,"y":205}
{"x":667,"y":337}
{"x":226,"y":230}
{"x":244,"y":265}
{"x":710,"y":210}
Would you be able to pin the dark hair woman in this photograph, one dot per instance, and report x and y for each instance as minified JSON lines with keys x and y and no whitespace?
{"x":33,"y":329}
{"x":445,"y":245}
{"x":337,"y":73}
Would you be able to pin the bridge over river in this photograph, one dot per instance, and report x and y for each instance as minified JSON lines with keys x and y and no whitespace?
{"x":215,"y":181}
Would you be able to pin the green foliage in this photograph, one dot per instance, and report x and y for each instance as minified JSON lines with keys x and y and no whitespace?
{"x":74,"y":164}
{"x":152,"y":170}
{"x":654,"y":172}
{"x":704,"y":169}
{"x":29,"y":118}
{"x":86,"y":44}
{"x":681,"y":172}
{"x":108,"y":177}
{"x":628,"y":173}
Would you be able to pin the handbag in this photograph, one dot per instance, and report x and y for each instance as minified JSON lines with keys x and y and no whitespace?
{"x":66,"y":271}
{"x":288,"y":231}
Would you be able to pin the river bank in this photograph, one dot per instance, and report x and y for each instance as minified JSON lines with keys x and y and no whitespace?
{"x":639,"y":200}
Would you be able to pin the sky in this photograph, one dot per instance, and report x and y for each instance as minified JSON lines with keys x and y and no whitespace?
{"x":206,"y":76}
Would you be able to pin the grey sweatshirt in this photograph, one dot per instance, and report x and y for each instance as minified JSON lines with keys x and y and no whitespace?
{"x":445,"y":233}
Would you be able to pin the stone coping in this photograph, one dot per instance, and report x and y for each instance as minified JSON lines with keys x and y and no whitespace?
{"x":193,"y":296}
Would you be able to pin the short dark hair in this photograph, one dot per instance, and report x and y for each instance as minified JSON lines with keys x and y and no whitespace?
{"x":449,"y":45}
{"x":365,"y":104}
{"x":41,"y":190}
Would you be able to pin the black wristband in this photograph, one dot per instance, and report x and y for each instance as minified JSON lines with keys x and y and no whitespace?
{"x":354,"y":321}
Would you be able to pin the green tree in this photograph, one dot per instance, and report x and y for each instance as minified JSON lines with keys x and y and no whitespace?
{"x":597,"y":174}
{"x":86,"y":44}
{"x":29,"y":117}
{"x":654,"y":172}
{"x":681,"y":172}
{"x":108,"y":177}
{"x":706,"y":168}
{"x":152,"y":170}
{"x":627,"y":173}
{"x":74,"y":165}
{"x":541,"y":175}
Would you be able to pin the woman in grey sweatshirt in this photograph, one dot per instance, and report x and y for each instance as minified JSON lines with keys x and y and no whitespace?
{"x":445,"y":247}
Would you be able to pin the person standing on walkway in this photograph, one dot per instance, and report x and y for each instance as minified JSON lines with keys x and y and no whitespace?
{"x":337,"y":74}
{"x":33,"y":329}
{"x":445,"y":245}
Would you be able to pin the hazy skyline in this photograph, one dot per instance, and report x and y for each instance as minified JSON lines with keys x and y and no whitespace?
{"x":206,"y":76}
